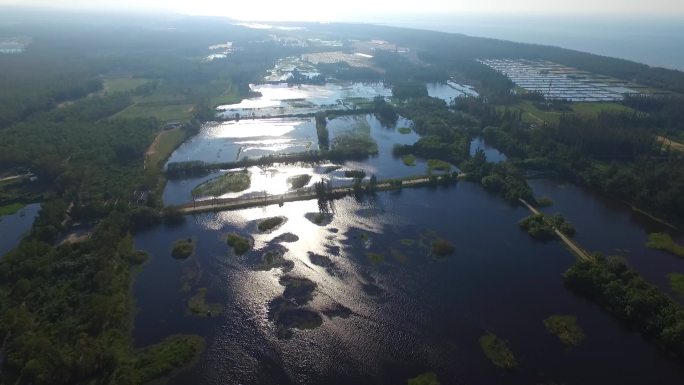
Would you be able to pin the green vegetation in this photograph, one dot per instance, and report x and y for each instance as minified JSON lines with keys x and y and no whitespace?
{"x":274,"y":259}
{"x":240,"y":244}
{"x":114,"y":85}
{"x":270,"y":224}
{"x":442,"y":248}
{"x":299,"y":181}
{"x":198,"y":305}
{"x":356,"y":174}
{"x":544,"y":201}
{"x":10,"y":209}
{"x":620,"y":290}
{"x":664,"y":242}
{"x":561,"y":224}
{"x":404,"y":130}
{"x":376,"y":258}
{"x":162,"y":359}
{"x":537,"y":228}
{"x":409,"y":160}
{"x":408,"y":242}
{"x":437,"y":165}
{"x":322,"y":131}
{"x":354,"y":144}
{"x":676,"y":283}
{"x":497,"y":351}
{"x":235,"y":181}
{"x":163,"y":146}
{"x":428,"y":378}
{"x":566,"y":328}
{"x":183,"y":248}
{"x":161,"y":111}
{"x":288,"y":311}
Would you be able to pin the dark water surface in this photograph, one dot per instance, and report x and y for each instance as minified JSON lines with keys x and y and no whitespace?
{"x":411,"y":313}
{"x":13,"y":227}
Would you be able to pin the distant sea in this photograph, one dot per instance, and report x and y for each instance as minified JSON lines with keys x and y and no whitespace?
{"x":653,"y":41}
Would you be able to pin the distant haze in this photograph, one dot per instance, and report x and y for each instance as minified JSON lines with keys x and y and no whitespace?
{"x":650,"y":32}
{"x":359,"y":10}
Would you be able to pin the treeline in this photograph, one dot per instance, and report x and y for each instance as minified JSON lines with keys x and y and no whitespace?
{"x":503,"y":179}
{"x":610,"y":152}
{"x":617,"y":288}
{"x":444,"y":133}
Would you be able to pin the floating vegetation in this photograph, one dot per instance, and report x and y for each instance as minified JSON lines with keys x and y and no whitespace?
{"x":566,"y":328}
{"x":274,"y":259}
{"x":138,"y":257}
{"x":286,"y":238}
{"x":337,"y":310}
{"x":409,"y":160}
{"x":442,"y":248}
{"x":240,"y":244}
{"x":183,"y":248}
{"x":664,"y":242}
{"x":376,"y":258}
{"x":299,"y":181}
{"x":404,"y":130}
{"x":371,"y":289}
{"x":428,"y":378}
{"x":497,"y":351}
{"x":174,"y":352}
{"x":544,"y":201}
{"x":356,"y":174}
{"x":235,"y":181}
{"x":438,"y":165}
{"x":320,"y":219}
{"x":408,"y":242}
{"x":197,"y":305}
{"x":288,"y":311}
{"x":270,"y":224}
{"x":398,"y":255}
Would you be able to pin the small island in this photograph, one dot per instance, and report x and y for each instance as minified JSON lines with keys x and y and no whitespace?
{"x":497,"y":351}
{"x":298,"y":181}
{"x":664,"y":242}
{"x":270,"y":224}
{"x":235,"y":181}
{"x":566,"y":328}
{"x":240,"y":244}
{"x":441,"y":248}
{"x":183,"y":248}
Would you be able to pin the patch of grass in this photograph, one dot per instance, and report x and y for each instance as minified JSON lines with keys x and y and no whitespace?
{"x":408,"y":242}
{"x":404,"y":130}
{"x":230,"y":182}
{"x":183,"y":248}
{"x":163,"y":358}
{"x":398,"y":255}
{"x":358,"y":174}
{"x":376,"y":258}
{"x":442,"y":248}
{"x":438,"y":165}
{"x":497,"y":351}
{"x":122,"y":84}
{"x":11,"y":209}
{"x":677,"y":283}
{"x":299,"y":181}
{"x":269,"y":224}
{"x":197,"y":304}
{"x":566,"y":328}
{"x":161,"y":111}
{"x":240,"y":244}
{"x":428,"y":378}
{"x":664,"y":242}
{"x":354,"y":143}
{"x":165,"y":143}
{"x":593,"y":109}
{"x":544,"y":202}
{"x":409,"y":160}
{"x":138,"y":257}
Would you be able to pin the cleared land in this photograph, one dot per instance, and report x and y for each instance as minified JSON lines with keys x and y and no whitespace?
{"x":163,"y":146}
{"x":122,"y":84}
{"x":160,"y":111}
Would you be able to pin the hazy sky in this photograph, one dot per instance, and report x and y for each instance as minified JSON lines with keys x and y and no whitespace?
{"x":347,"y":10}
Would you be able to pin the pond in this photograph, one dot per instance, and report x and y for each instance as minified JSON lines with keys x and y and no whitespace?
{"x":13,"y":227}
{"x":493,"y":155}
{"x":273,"y":179}
{"x":449,"y":91}
{"x":406,"y":312}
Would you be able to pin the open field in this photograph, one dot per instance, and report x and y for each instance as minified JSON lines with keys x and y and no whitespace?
{"x":532,"y":114}
{"x":675,"y":146}
{"x":122,"y":84}
{"x":163,"y":146}
{"x":162,"y":112}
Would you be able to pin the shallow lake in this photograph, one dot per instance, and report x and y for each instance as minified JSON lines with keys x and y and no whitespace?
{"x":449,"y":91}
{"x":493,"y":155}
{"x":410,"y":312}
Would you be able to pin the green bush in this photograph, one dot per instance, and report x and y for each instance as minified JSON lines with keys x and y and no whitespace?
{"x":183,"y":248}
